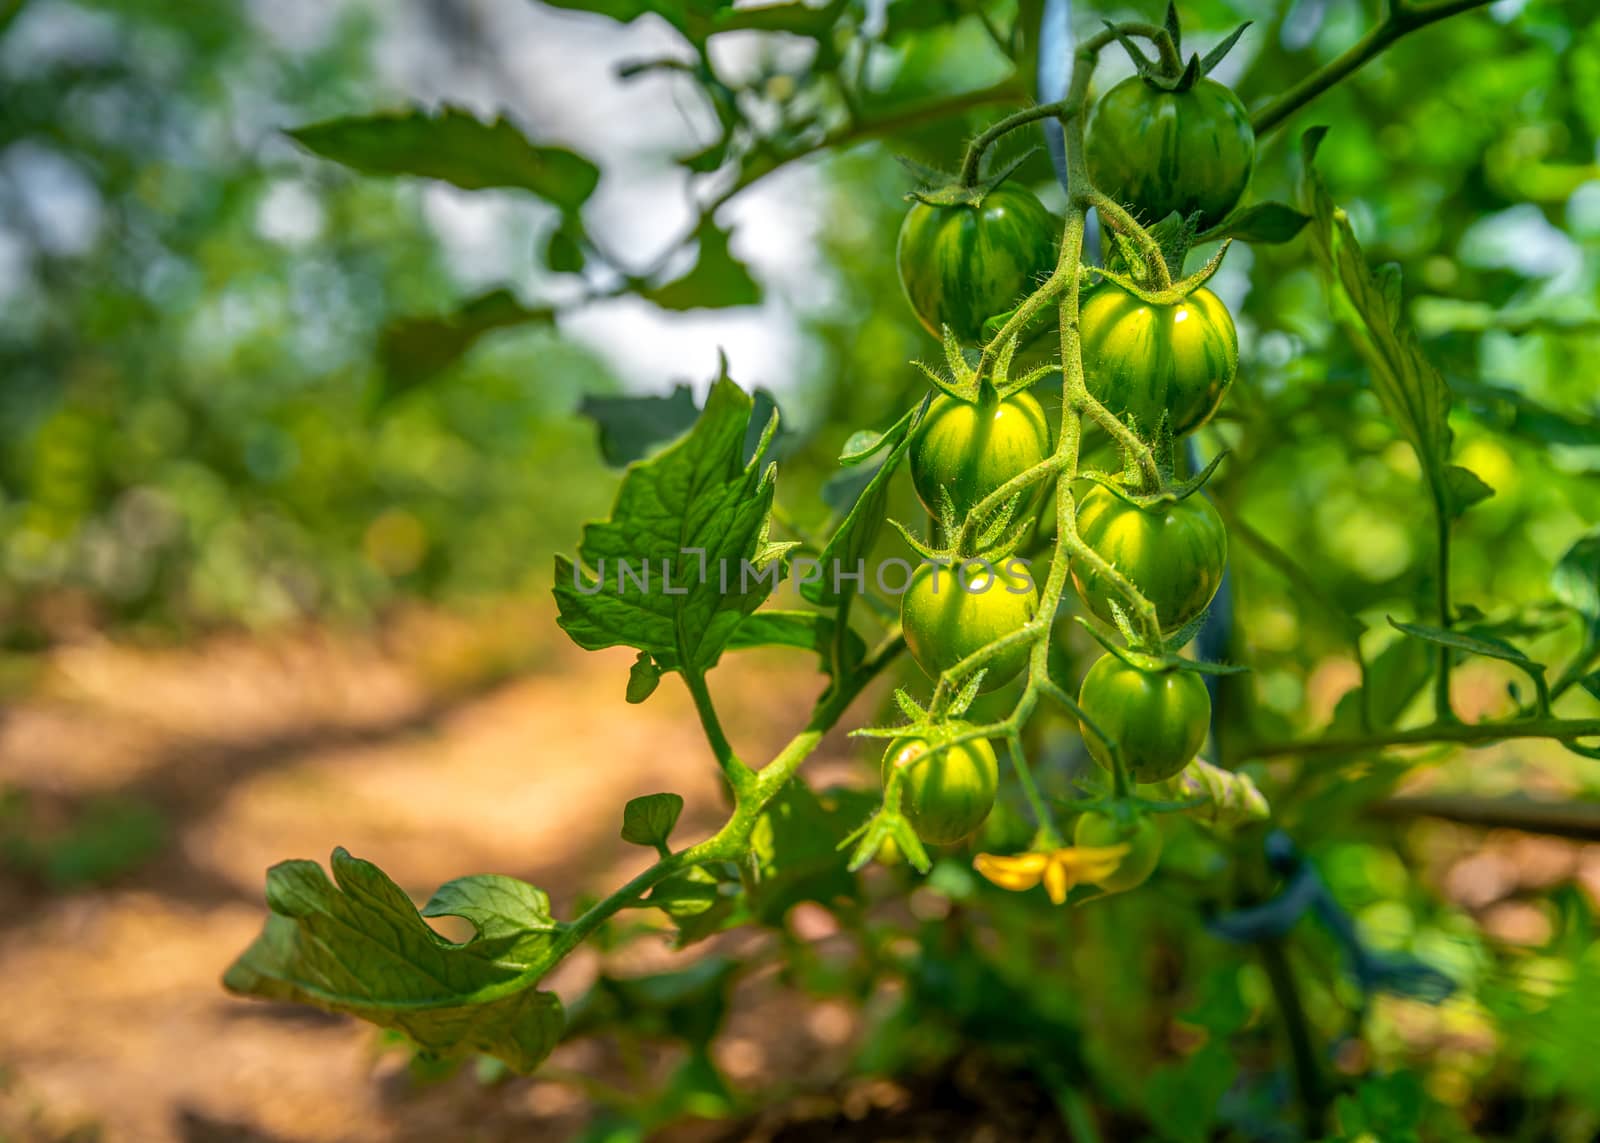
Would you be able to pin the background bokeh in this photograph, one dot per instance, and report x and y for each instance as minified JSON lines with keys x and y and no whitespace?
{"x":268,"y":584}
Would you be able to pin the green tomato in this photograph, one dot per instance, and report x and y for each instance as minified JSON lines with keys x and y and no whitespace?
{"x":1163,"y":151}
{"x":968,"y":450}
{"x":948,"y":795}
{"x":1173,"y":553}
{"x":961,"y":265}
{"x":948,"y":613}
{"x":1142,"y":836}
{"x":1149,"y":363}
{"x":1158,"y":718}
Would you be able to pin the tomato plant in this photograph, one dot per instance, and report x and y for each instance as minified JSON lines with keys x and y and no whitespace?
{"x":966,"y":450}
{"x":963,"y":263}
{"x":1160,"y":151}
{"x":1337,"y":657}
{"x":1161,"y":367}
{"x":945,"y":795}
{"x":950,"y":613}
{"x":1173,"y":552}
{"x":1157,"y":718}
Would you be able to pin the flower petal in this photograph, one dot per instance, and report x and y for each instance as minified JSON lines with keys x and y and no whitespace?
{"x":1017,"y":874}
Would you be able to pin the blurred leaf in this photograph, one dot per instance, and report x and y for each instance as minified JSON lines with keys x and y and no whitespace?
{"x":717,"y":279}
{"x":649,"y":820}
{"x":1513,"y":412}
{"x":1386,"y":1107}
{"x":1181,"y":1099}
{"x":1231,"y":799}
{"x":795,"y":17}
{"x":1466,"y":487}
{"x":563,"y":253}
{"x":631,"y":426}
{"x":1368,"y":306}
{"x":688,"y":1005}
{"x":694,"y":515}
{"x":363,"y":949}
{"x":795,"y":846}
{"x":453,"y":146}
{"x":1576,"y":579}
{"x":1261,"y":222}
{"x":1394,"y":679}
{"x":414,"y":349}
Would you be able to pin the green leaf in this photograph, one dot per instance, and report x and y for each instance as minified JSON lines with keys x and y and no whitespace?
{"x":716,"y":280}
{"x":1479,"y":643}
{"x":357,"y":945}
{"x":643,"y":678}
{"x":795,"y":844}
{"x":851,"y":542}
{"x":691,"y":524}
{"x":415,"y":349}
{"x":1576,"y":579}
{"x":1394,"y":678}
{"x":795,"y":17}
{"x":806,"y":630}
{"x":563,"y":253}
{"x":1270,"y":223}
{"x":1181,"y":1098}
{"x":631,"y":426}
{"x":1368,"y":306}
{"x":1466,"y":488}
{"x":453,"y":146}
{"x":649,"y":820}
{"x":1591,"y":683}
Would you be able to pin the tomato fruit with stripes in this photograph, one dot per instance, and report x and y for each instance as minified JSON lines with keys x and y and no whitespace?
{"x":1173,"y":552}
{"x":944,"y":796}
{"x":1149,"y":363}
{"x":947,"y":613}
{"x":1161,"y":151}
{"x":963,"y":264}
{"x":1158,"y":719}
{"x":967,"y":450}
{"x":1142,"y":837}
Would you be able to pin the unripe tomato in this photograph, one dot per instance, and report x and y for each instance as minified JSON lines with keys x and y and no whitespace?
{"x":969,"y":450}
{"x":944,"y":797}
{"x":1142,"y":836}
{"x":961,"y":265}
{"x":945,"y":619}
{"x":1158,"y":718}
{"x":1163,"y":151}
{"x":1173,"y":553}
{"x":1146,"y":362}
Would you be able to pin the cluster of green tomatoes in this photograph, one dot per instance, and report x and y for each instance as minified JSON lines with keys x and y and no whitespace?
{"x":1161,"y":369}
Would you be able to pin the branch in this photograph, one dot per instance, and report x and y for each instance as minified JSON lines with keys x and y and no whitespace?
{"x":1579,"y":820}
{"x":1467,"y":734}
{"x":1403,"y":17}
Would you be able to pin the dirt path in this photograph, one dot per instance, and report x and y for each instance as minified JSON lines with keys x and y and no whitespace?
{"x":115,"y":1026}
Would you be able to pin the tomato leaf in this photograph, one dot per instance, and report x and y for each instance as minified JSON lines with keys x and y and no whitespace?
{"x":1478,"y":643}
{"x":806,"y":630}
{"x":457,"y":148}
{"x":1576,"y":579}
{"x":684,"y":556}
{"x":649,"y":820}
{"x":852,"y":540}
{"x":415,"y":349}
{"x":1368,"y":306}
{"x":631,"y":426}
{"x":1270,"y":223}
{"x":563,"y":253}
{"x":357,"y":945}
{"x":643,"y":678}
{"x":717,"y":279}
{"x":796,"y":17}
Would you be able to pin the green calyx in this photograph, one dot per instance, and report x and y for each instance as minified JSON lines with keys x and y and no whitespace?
{"x":940,"y":189}
{"x":1162,"y":75}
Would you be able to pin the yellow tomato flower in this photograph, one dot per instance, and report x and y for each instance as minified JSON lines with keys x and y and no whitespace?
{"x":1059,"y":869}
